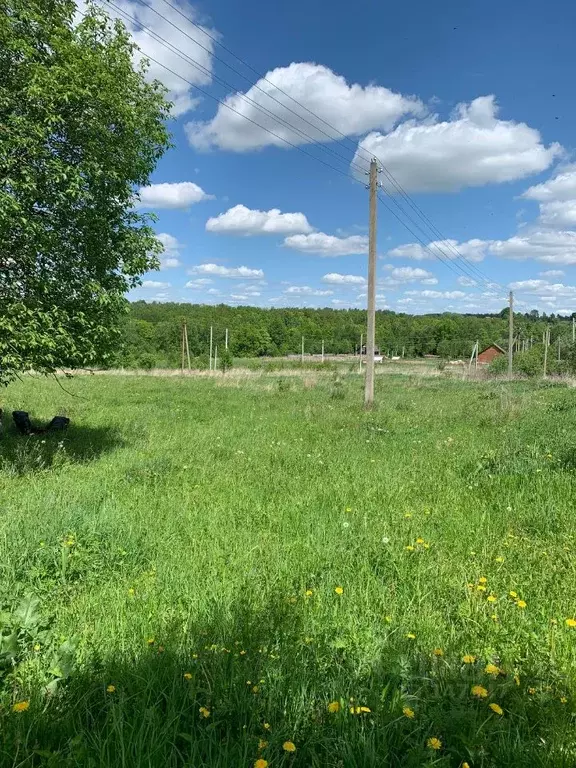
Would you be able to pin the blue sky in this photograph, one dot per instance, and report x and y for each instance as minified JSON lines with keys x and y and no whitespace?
{"x":469,"y":105}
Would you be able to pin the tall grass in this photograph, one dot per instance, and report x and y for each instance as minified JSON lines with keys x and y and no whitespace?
{"x":196,"y":575}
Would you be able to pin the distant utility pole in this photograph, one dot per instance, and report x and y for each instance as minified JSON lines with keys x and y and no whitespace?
{"x":182,"y":348}
{"x":226,"y":339}
{"x":211,"y":337}
{"x":322,"y":350}
{"x":546,"y":343}
{"x":573,"y":330}
{"x":510,"y":334}
{"x":360,"y":353}
{"x":558,"y":349}
{"x":186,"y":347}
{"x":216,"y":358}
{"x":302,"y":352}
{"x":371,"y":329}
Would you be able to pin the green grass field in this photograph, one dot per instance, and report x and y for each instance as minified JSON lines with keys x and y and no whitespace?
{"x":208,"y":572}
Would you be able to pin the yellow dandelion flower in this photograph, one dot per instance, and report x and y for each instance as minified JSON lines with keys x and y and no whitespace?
{"x":131,"y":591}
{"x":151,"y":641}
{"x":465,"y":765}
{"x":409,"y":713}
{"x":531,"y":691}
{"x":492,"y":669}
{"x":571,"y":623}
{"x":309,"y":593}
{"x":37,"y":647}
{"x":289,"y":746}
{"x":262,"y":744}
{"x":365,"y":709}
{"x":334,"y":707}
{"x":110,"y":688}
{"x":20,"y":706}
{"x":496,"y":708}
{"x":438,"y":652}
{"x":339,"y":590}
{"x":187,"y":675}
{"x":411,"y":636}
{"x":517,"y":679}
{"x":492,"y":599}
{"x":260,"y":763}
{"x":255,"y":689}
{"x":434,"y":743}
{"x":408,"y":514}
{"x":419,"y":540}
{"x":348,"y":509}
{"x":267,"y":726}
{"x":388,"y":619}
{"x":426,"y":545}
{"x":204,"y":712}
{"x":521,"y":603}
{"x":499,"y":559}
{"x":482,"y":580}
{"x":494,"y":617}
{"x":563,"y":700}
{"x":481,"y":588}
{"x":479,"y":691}
{"x":513,"y":595}
{"x":468,"y":658}
{"x":410,"y":548}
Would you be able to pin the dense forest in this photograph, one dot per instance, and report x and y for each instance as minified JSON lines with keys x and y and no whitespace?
{"x":153,"y":332}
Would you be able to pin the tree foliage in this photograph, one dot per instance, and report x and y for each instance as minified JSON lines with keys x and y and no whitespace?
{"x":80,"y":129}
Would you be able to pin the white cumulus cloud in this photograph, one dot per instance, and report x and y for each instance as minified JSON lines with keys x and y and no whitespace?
{"x":155,"y":284}
{"x":547,"y":247}
{"x":171,"y":25}
{"x":436,"y":294}
{"x":561,"y":187}
{"x":321,"y":244}
{"x":558,"y":214}
{"x":178,"y":195}
{"x":472,"y":149}
{"x":241,"y":220}
{"x":169,"y":258}
{"x":552,"y":273}
{"x":306,"y":290}
{"x":351,"y":109}
{"x":398,"y":275}
{"x":335,"y":278}
{"x":471,"y":250}
{"x":217,"y":270}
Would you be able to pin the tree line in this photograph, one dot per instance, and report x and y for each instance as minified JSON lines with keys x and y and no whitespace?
{"x":151,"y":334}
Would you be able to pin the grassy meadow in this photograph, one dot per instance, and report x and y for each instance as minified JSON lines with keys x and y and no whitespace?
{"x":253,"y":571}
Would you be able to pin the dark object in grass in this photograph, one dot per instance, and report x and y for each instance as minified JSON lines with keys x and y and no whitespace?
{"x":25,"y":426}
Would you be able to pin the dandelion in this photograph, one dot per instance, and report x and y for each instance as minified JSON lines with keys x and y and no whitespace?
{"x":359,"y":710}
{"x":131,"y":591}
{"x":499,"y":559}
{"x":204,"y":712}
{"x":110,"y":688}
{"x":521,"y":603}
{"x":309,"y":593}
{"x":409,"y":548}
{"x":408,"y":514}
{"x":517,"y":679}
{"x":37,"y":647}
{"x":531,"y":691}
{"x":407,"y":712}
{"x":434,"y":743}
{"x":385,"y":540}
{"x":255,"y":689}
{"x":262,"y":744}
{"x":187,"y":675}
{"x":388,"y":619}
{"x":151,"y":641}
{"x":438,"y":652}
{"x":496,"y":708}
{"x":20,"y":706}
{"x":482,"y":580}
{"x":365,"y":709}
{"x":465,"y":765}
{"x":492,"y":599}
{"x":339,"y":590}
{"x":481,"y":588}
{"x":267,"y":726}
{"x":260,"y":763}
{"x":289,"y":746}
{"x":563,"y":700}
{"x":494,"y":617}
{"x":479,"y":691}
{"x":468,"y":658}
{"x":334,"y":707}
{"x":513,"y":595}
{"x":348,"y":509}
{"x":411,"y":636}
{"x":419,"y":540}
{"x":571,"y":623}
{"x":492,"y":669}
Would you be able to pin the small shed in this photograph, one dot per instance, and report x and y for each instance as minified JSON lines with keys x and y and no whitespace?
{"x":489,"y":353}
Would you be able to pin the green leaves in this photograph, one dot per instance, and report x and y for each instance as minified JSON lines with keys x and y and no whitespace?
{"x":80,"y":131}
{"x":27,"y":614}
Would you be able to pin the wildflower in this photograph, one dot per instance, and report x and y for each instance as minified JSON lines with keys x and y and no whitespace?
{"x":479,"y":691}
{"x":289,"y":746}
{"x":348,"y":509}
{"x":339,"y":590}
{"x":434,"y":743}
{"x":499,"y":559}
{"x":37,"y":647}
{"x":411,"y":636}
{"x":408,"y":514}
{"x":494,"y":617}
{"x":151,"y":641}
{"x":194,"y":655}
{"x":531,"y":691}
{"x":517,"y":679}
{"x":407,"y":712}
{"x":260,"y":763}
{"x":438,"y":652}
{"x":242,"y":653}
{"x":481,"y":588}
{"x":309,"y":593}
{"x":358,"y":710}
{"x":465,"y":765}
{"x":521,"y":603}
{"x":409,"y":548}
{"x":262,"y":744}
{"x":204,"y":712}
{"x":492,"y":599}
{"x":187,"y":675}
{"x":513,"y":595}
{"x":388,"y":619}
{"x":468,"y":658}
{"x":161,"y":649}
{"x":492,"y":669}
{"x":365,"y":709}
{"x":482,"y":580}
{"x":267,"y":726}
{"x":255,"y":689}
{"x":563,"y":700}
{"x":419,"y":540}
{"x":20,"y":706}
{"x":385,"y":540}
{"x":131,"y":591}
{"x":496,"y":708}
{"x":571,"y":622}
{"x":334,"y":707}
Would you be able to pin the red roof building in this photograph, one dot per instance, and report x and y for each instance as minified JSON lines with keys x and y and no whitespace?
{"x":489,"y":353}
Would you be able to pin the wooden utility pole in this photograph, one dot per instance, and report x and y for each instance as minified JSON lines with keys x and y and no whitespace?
{"x":546,"y":343}
{"x":216,"y":358}
{"x":510,"y":334}
{"x":371,"y":329}
{"x":211,"y":337}
{"x":187,"y":348}
{"x":558,"y":350}
{"x":302,"y":352}
{"x":226,"y":339}
{"x":360,"y":353}
{"x":322,"y":350}
{"x":182,"y":348}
